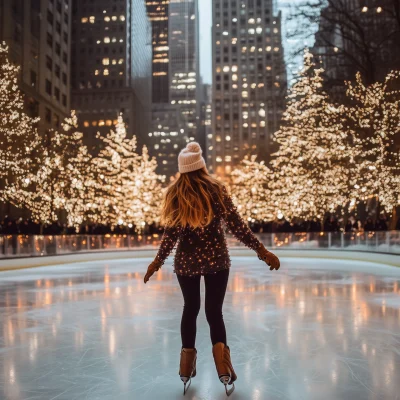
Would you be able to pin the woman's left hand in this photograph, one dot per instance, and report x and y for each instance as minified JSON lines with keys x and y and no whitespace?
{"x":153,"y":267}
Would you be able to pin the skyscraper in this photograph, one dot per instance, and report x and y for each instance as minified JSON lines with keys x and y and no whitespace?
{"x":158,"y":14}
{"x":249,"y":80}
{"x":176,"y":118}
{"x":38,"y":34}
{"x":111,"y":67}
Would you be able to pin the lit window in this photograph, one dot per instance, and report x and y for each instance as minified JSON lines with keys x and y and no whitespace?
{"x":234,"y":68}
{"x":114,"y":39}
{"x":335,"y":49}
{"x":109,"y":122}
{"x":115,"y":122}
{"x":259,"y":30}
{"x":276,"y":30}
{"x":120,"y":61}
{"x":96,"y":72}
{"x":228,"y":158}
{"x":101,"y":122}
{"x":114,"y":62}
{"x":364,"y":9}
{"x":121,"y":40}
{"x":106,"y":72}
{"x":86,"y":124}
{"x":225,"y":33}
{"x":92,"y":19}
{"x":226,"y":68}
{"x":94,"y":123}
{"x":251,"y":31}
{"x":251,"y":21}
{"x":98,"y":42}
{"x":84,"y":20}
{"x":114,"y":17}
{"x":234,"y":77}
{"x":106,"y":39}
{"x":261,"y":112}
{"x":219,"y":159}
{"x":244,"y":93}
{"x":122,"y":17}
{"x":107,"y":18}
{"x":106,"y":61}
{"x":276,"y":48}
{"x":227,"y":138}
{"x":268,"y":48}
{"x":379,"y":10}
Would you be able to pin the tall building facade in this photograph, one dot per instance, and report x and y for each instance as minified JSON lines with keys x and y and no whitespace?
{"x":111,"y":69}
{"x":158,"y":11}
{"x":38,"y":34}
{"x":249,"y":80}
{"x":176,"y":117}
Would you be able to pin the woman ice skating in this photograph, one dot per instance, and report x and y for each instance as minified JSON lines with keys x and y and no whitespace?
{"x":194,"y":207}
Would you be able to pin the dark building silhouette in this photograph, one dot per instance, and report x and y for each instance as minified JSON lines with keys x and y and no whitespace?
{"x":38,"y":34}
{"x":111,"y":69}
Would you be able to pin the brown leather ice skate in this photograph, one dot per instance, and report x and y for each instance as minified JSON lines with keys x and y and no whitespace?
{"x":223,"y":363}
{"x":187,"y":367}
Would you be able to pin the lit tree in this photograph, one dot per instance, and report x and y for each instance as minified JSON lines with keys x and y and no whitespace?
{"x":143,"y":194}
{"x":63,"y":181}
{"x":18,"y":134}
{"x":132,"y":188}
{"x":115,"y":165}
{"x":311,"y":166}
{"x":373,"y":120}
{"x":250,"y":190}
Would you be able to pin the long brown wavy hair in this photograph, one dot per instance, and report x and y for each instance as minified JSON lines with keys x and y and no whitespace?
{"x":188,"y":201}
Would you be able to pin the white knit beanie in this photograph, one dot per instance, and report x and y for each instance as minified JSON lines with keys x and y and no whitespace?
{"x":190,"y":158}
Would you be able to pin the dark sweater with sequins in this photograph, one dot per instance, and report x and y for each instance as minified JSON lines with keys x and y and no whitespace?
{"x":204,"y":250}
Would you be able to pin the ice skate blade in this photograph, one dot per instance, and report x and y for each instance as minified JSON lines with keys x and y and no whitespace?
{"x":226,"y":381}
{"x":185,"y":380}
{"x":229,"y":391}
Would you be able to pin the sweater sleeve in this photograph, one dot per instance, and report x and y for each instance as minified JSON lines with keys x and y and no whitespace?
{"x":237,"y":225}
{"x":168,"y":241}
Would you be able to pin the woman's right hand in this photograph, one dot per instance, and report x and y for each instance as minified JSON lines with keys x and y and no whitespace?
{"x":153,"y":267}
{"x":269,"y":258}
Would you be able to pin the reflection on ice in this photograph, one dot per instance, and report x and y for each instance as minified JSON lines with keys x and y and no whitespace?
{"x":315,"y":329}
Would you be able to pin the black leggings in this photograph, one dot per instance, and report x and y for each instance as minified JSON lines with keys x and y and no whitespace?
{"x":215,"y":292}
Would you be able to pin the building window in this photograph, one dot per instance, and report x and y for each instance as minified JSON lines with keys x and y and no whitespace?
{"x":57,"y":93}
{"x":64,"y":100}
{"x":50,"y":17}
{"x":65,"y":57}
{"x":56,"y":120}
{"x":57,"y":70}
{"x":58,"y":48}
{"x":48,"y":87}
{"x":33,"y":78}
{"x":64,"y":78}
{"x":65,"y":36}
{"x":48,"y":115}
{"x":49,"y":63}
{"x":49,"y":39}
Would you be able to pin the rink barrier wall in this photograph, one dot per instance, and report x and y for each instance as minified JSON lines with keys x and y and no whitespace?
{"x":24,"y":251}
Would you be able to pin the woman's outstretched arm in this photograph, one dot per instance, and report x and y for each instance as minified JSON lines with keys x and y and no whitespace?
{"x":242,"y":232}
{"x":168,"y":241}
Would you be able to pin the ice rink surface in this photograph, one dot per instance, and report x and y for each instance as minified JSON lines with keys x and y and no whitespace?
{"x":317,"y":329}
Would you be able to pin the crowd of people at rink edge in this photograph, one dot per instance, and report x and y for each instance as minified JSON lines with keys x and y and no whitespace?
{"x":20,"y":226}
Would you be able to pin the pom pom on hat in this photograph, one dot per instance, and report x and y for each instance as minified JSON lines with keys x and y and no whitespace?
{"x":190,"y":158}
